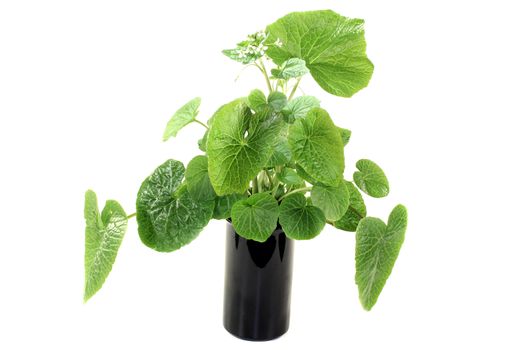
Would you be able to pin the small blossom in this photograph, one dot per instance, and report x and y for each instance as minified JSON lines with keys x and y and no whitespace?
{"x":251,"y":49}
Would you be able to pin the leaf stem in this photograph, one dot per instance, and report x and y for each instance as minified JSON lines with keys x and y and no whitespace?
{"x":302,"y":189}
{"x":254,"y":185}
{"x":270,"y":182}
{"x":259,"y":184}
{"x":242,"y":70}
{"x":294,"y":88}
{"x":201,"y":123}
{"x":263,"y":70}
{"x":131,"y":215}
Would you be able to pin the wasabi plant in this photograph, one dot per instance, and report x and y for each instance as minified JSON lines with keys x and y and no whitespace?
{"x":267,"y":159}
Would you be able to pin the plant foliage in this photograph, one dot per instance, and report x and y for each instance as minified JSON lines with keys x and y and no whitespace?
{"x":268,"y":158}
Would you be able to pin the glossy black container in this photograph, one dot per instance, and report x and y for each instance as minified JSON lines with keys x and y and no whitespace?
{"x":257,"y":288}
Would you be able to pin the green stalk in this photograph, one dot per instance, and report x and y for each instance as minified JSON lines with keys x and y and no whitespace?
{"x":262,"y":68}
{"x":302,"y":189}
{"x":259,"y":184}
{"x":269,"y":177}
{"x":201,"y":123}
{"x":294,"y":88}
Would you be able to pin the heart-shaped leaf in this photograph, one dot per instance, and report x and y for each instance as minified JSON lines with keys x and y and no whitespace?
{"x":224,"y":204}
{"x":371,"y":179}
{"x":292,"y":68}
{"x":332,"y":200}
{"x":168,"y":216}
{"x":377,"y":248}
{"x":355,"y":212}
{"x":198,"y":181}
{"x":332,"y":46}
{"x":182,"y":117}
{"x":256,"y":216}
{"x":317,"y":147}
{"x":104,"y":235}
{"x":257,"y":100}
{"x":300,"y":171}
{"x":289,"y":177}
{"x":281,"y":153}
{"x":239,"y":146}
{"x":299,"y":219}
{"x":299,"y":107}
{"x":277,"y":101}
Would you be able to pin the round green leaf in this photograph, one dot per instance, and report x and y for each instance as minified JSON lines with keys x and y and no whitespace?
{"x":299,"y":219}
{"x":371,"y":179}
{"x":376,"y":251}
{"x":300,"y":171}
{"x":224,"y":204}
{"x":332,"y":200}
{"x":332,"y":46}
{"x":317,"y":147}
{"x":299,"y":107}
{"x":239,"y":146}
{"x":256,"y":216}
{"x":257,"y":100}
{"x":355,"y":212}
{"x":182,"y":117}
{"x":277,"y":101}
{"x":281,"y":153}
{"x":168,"y":216}
{"x":289,"y":177}
{"x":199,"y":185}
{"x":292,"y":68}
{"x":104,"y":235}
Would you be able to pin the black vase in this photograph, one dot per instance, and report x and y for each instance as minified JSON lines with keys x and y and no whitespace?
{"x":257,"y":288}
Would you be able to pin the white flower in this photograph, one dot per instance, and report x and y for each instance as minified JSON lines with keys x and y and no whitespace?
{"x":278,"y":43}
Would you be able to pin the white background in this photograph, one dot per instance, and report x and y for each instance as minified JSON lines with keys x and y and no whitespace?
{"x":87,"y":88}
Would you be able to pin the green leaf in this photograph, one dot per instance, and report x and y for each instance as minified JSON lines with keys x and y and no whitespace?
{"x":280,"y":191}
{"x":377,"y":248}
{"x":277,"y":101}
{"x":104,"y":235}
{"x":281,"y":153}
{"x":292,"y":68}
{"x":345,"y":135}
{"x":332,"y":46}
{"x":300,"y":171}
{"x":355,"y":212}
{"x":224,"y":204}
{"x":299,"y":107}
{"x":168,"y":216}
{"x":257,"y":100}
{"x":184,"y":115}
{"x":289,"y":177}
{"x":202,"y":142}
{"x":371,"y":179}
{"x":199,"y":185}
{"x":256,"y":217}
{"x":299,"y":219}
{"x":332,"y":200}
{"x":239,"y":146}
{"x":317,"y":147}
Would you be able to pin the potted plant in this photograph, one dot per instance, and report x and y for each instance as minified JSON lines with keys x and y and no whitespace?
{"x":271,"y":166}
